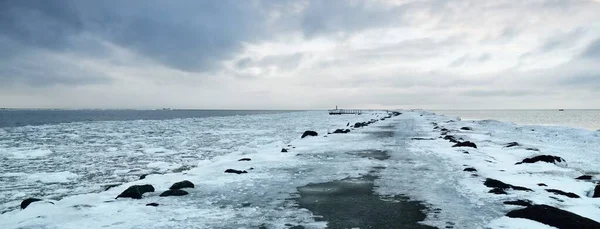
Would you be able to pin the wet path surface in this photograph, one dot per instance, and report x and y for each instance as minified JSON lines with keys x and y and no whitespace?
{"x":353,"y":203}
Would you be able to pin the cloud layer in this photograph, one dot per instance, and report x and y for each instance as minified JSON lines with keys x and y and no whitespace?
{"x":309,"y":54}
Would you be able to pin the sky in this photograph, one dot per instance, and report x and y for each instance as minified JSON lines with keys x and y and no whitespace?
{"x":302,"y":54}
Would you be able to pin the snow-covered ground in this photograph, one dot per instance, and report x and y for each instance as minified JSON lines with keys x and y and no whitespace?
{"x":70,"y":165}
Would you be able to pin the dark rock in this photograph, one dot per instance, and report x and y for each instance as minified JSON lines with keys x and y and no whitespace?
{"x":532,"y":149}
{"x":524,"y":203}
{"x":451,"y":138}
{"x":182,"y":184}
{"x":542,"y":158}
{"x":143,"y":176}
{"x":470,"y":169}
{"x":493,"y":183}
{"x":444,"y":129}
{"x":175,"y":192}
{"x":284,"y":150}
{"x":309,"y":133}
{"x":360,"y":124}
{"x":107,"y":187}
{"x":245,"y":159}
{"x":596,"y":191}
{"x":420,"y":139}
{"x":511,"y":144}
{"x":560,"y":192}
{"x":554,"y":217}
{"x":584,"y":177}
{"x":466,"y":128}
{"x":542,"y":184}
{"x":136,"y":191}
{"x":340,"y":131}
{"x":465,"y":144}
{"x":28,"y":201}
{"x":348,"y":124}
{"x":466,"y":152}
{"x":235,"y":171}
{"x":498,"y":191}
{"x":152,"y":204}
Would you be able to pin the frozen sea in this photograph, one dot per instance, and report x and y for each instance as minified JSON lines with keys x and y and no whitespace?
{"x":397,"y":171}
{"x":586,"y":119}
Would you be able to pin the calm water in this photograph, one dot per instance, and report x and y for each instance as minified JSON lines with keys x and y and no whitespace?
{"x":586,"y":119}
{"x":17,"y":117}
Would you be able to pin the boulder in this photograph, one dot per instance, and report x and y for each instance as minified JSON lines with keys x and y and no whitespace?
{"x":309,"y":133}
{"x":466,"y":128}
{"x":340,"y":131}
{"x":136,"y":191}
{"x":493,"y":183}
{"x":498,"y":191}
{"x":524,"y":203}
{"x":174,"y":192}
{"x":235,"y":171}
{"x":470,"y":169}
{"x":182,"y":184}
{"x":542,"y":158}
{"x":511,"y":144}
{"x":284,"y":150}
{"x":451,"y":138}
{"x":465,"y":144}
{"x":596,"y":191}
{"x":584,"y":177}
{"x":245,"y":159}
{"x":554,"y":217}
{"x":542,"y":184}
{"x":359,"y":124}
{"x":533,"y":149}
{"x":560,"y":192}
{"x":152,"y":204}
{"x":28,"y":201}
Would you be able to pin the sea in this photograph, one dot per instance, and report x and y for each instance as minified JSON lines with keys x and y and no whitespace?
{"x":585,"y":119}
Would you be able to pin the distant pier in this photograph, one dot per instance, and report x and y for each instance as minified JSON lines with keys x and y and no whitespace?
{"x":345,"y":111}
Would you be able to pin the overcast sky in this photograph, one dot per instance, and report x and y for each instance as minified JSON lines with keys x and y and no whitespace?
{"x":305,"y":54}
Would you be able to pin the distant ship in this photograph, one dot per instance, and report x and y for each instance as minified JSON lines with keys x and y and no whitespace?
{"x":561,"y":109}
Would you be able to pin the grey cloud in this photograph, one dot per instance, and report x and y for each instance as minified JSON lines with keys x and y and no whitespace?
{"x":501,"y":93}
{"x":592,"y":51}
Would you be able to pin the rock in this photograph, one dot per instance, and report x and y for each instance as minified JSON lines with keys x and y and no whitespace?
{"x":136,"y":191}
{"x":143,"y":176}
{"x":152,"y":204}
{"x":175,"y":192}
{"x":28,"y":201}
{"x":235,"y":171}
{"x":348,"y":124}
{"x":421,"y":139}
{"x":107,"y":187}
{"x":182,"y":184}
{"x":297,"y":227}
{"x":340,"y":131}
{"x":451,"y":138}
{"x":493,"y":183}
{"x":542,"y":184}
{"x":554,"y":217}
{"x":511,"y":144}
{"x":359,"y":124}
{"x":470,"y":169}
{"x":465,"y":144}
{"x":444,"y":130}
{"x":533,"y":149}
{"x":584,"y":177}
{"x":498,"y":191}
{"x":245,"y":159}
{"x":309,"y":133}
{"x":466,"y":128}
{"x":542,"y":158}
{"x":524,"y":203}
{"x":596,"y":191}
{"x":560,"y":192}
{"x":284,"y":150}
{"x":466,"y":152}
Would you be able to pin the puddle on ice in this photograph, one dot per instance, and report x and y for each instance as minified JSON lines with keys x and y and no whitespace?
{"x":351,"y":203}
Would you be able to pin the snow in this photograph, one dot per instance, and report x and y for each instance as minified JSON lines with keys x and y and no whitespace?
{"x":72,"y":177}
